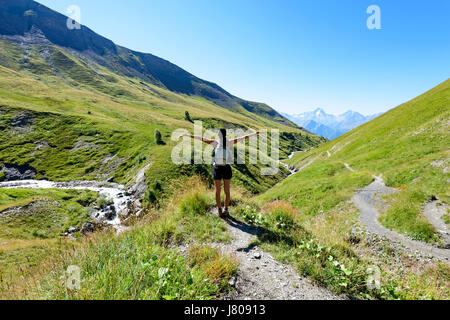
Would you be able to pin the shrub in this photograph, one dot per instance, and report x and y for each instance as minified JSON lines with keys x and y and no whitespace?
{"x":187,"y":117}
{"x":446,"y":218}
{"x":157,"y":186}
{"x":158,"y":137}
{"x":39,"y":234}
{"x":2,"y":176}
{"x":150,"y":196}
{"x":85,"y":199}
{"x":141,"y":158}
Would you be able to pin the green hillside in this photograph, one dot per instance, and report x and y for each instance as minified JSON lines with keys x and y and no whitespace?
{"x":402,"y":145}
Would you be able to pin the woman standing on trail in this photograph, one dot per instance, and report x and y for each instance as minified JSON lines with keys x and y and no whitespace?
{"x":223,"y":157}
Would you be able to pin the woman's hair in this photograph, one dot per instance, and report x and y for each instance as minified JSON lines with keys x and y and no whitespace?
{"x":223,"y":132}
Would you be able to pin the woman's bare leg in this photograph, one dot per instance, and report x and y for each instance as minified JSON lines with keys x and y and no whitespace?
{"x":226,"y":184}
{"x":218,"y":187}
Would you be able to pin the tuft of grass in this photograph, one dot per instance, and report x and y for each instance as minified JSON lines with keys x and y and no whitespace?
{"x":218,"y":267}
{"x":194,"y":203}
{"x":446,"y":218}
{"x":103,"y":202}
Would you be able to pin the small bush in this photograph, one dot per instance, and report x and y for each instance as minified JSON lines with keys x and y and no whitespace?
{"x":2,"y":176}
{"x":164,"y":232}
{"x":157,"y":186}
{"x":150,"y":196}
{"x":158,"y":137}
{"x":446,"y":218}
{"x":251,"y":216}
{"x":85,"y":199}
{"x":141,"y":158}
{"x":187,"y":117}
{"x":40,"y":234}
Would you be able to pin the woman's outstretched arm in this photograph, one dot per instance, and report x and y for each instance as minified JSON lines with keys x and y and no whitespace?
{"x":246,"y":137}
{"x":208,"y":141}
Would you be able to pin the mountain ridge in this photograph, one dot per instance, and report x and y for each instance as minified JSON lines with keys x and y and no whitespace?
{"x":19,"y":17}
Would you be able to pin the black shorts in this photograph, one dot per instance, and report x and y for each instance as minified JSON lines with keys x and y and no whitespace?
{"x":222,"y":172}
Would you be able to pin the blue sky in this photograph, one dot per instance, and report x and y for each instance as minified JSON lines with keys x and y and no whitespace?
{"x":294,"y":55}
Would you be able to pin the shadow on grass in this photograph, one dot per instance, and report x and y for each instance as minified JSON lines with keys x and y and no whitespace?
{"x":265,"y":235}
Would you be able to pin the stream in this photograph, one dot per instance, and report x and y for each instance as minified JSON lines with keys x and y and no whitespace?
{"x":292,"y":169}
{"x":113,"y":191}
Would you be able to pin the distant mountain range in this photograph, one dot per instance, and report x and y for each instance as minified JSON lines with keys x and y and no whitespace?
{"x":327,"y":125}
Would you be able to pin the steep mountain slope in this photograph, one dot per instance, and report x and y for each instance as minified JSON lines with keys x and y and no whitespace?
{"x":328,"y":125}
{"x":408,"y":146}
{"x":19,"y":17}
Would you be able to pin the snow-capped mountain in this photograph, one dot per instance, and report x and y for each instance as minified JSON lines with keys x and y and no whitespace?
{"x":327,"y":125}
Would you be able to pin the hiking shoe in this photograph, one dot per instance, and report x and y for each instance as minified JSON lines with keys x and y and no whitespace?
{"x":219,"y":211}
{"x":226,"y":213}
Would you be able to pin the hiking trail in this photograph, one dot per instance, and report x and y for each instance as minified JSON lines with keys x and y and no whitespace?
{"x":368,"y":199}
{"x":262,"y":277}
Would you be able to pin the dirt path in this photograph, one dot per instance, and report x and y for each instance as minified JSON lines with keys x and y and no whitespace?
{"x":434,"y":211}
{"x":260,"y":276}
{"x":367,"y":200}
